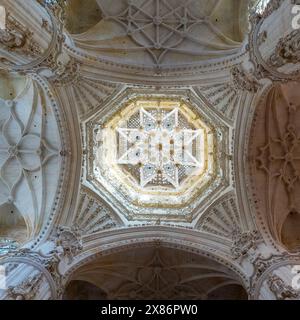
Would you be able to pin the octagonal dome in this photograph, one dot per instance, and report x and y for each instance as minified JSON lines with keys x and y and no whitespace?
{"x":156,"y":155}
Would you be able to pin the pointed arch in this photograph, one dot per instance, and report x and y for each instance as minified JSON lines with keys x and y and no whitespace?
{"x":12,"y":224}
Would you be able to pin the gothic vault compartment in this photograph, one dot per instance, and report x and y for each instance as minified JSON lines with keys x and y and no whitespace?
{"x":158,"y":155}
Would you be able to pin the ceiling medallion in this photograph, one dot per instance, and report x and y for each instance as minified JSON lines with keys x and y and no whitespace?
{"x":159,"y":146}
{"x":157,"y":156}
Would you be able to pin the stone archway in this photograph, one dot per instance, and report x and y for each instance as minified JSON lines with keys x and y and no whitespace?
{"x":154,"y":272}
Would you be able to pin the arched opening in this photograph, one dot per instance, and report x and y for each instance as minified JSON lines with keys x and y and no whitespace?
{"x":156,"y":273}
{"x":12,"y":225}
{"x":11,"y":85}
{"x":82,"y":15}
{"x":83,"y":290}
{"x":2,"y":18}
{"x":290,"y":233}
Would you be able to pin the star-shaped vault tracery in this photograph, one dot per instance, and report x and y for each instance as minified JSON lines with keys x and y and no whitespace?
{"x":156,"y":154}
{"x":162,"y":151}
{"x":160,"y":26}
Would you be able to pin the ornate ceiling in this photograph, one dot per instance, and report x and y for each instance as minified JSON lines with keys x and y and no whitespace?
{"x":31,"y":162}
{"x":133,"y":154}
{"x":165,"y":33}
{"x":149,"y":149}
{"x":156,"y":274}
{"x":275,"y":157}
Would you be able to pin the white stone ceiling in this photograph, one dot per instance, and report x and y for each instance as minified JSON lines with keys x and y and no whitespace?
{"x":30,"y":147}
{"x":113,"y":179}
{"x":62,"y":164}
{"x":104,"y":72}
{"x":159,"y":274}
{"x":165,"y":33}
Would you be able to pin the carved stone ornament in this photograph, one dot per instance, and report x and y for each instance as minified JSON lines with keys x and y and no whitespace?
{"x":49,"y":261}
{"x":17,"y":37}
{"x":63,"y":69}
{"x":57,"y":7}
{"x":287,"y":50}
{"x":262,"y":263}
{"x":138,"y":161}
{"x":263,"y":267}
{"x":28,"y":55}
{"x":243,"y":80}
{"x":243,"y":242}
{"x":68,"y":241}
{"x":281,"y":290}
{"x":27,"y":289}
{"x":58,"y":67}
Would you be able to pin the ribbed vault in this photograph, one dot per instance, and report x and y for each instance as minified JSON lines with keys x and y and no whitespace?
{"x":154,"y":273}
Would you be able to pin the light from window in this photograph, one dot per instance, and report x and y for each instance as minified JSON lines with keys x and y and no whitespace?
{"x":259,"y":6}
{"x":2,"y":18}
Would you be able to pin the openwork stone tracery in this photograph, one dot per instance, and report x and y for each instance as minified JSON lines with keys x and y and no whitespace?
{"x":161,"y":153}
{"x":162,"y":144}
